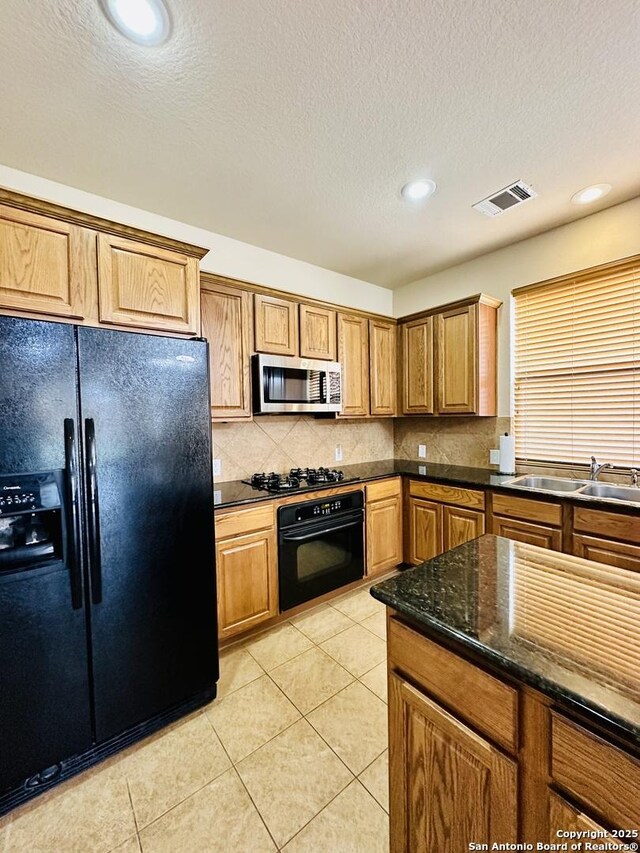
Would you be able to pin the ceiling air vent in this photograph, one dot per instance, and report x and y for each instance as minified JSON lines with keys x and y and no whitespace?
{"x":510,"y":196}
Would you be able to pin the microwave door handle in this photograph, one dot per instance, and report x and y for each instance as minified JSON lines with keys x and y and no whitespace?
{"x":322,"y":530}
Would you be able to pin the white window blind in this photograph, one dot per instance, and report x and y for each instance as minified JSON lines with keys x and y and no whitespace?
{"x":577,"y":368}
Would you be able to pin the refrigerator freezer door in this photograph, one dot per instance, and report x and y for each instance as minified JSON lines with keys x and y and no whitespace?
{"x":44,"y":684}
{"x":147,"y":431}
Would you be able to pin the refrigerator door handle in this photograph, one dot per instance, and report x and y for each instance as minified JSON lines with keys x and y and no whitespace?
{"x":93,"y":512}
{"x":73,"y":550}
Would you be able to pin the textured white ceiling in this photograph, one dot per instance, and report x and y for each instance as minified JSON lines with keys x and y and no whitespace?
{"x":292,"y":125}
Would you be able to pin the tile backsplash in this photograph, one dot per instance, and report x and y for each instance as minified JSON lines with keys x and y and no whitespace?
{"x":278,"y":443}
{"x":451,"y":441}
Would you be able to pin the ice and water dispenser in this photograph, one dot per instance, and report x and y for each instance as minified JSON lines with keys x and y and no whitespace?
{"x":31,"y":526}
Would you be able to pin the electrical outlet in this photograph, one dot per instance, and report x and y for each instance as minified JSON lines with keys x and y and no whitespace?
{"x":217,"y":496}
{"x":338,"y":453}
{"x":422,"y":470}
{"x":217,"y":467}
{"x":422,"y":451}
{"x":494,"y":457}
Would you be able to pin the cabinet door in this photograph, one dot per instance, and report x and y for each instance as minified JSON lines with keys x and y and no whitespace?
{"x":353,"y":354}
{"x":527,"y":532}
{"x":384,"y":534}
{"x":457,"y":355}
{"x":317,"y":332}
{"x":276,"y":322}
{"x":563,"y":816}
{"x":146,"y":287}
{"x":425,"y":530}
{"x":449,"y":787}
{"x":246,"y":569}
{"x":382,"y":368}
{"x":417,"y":367}
{"x":621,"y":554}
{"x":459,"y":525}
{"x":226,"y":323}
{"x":40,"y":264}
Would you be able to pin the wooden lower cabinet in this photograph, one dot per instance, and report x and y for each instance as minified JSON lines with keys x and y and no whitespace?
{"x":460,"y":525}
{"x":425,"y":530}
{"x":384,"y":526}
{"x":246,"y":569}
{"x":527,"y":532}
{"x":563,"y":817}
{"x":449,"y":786}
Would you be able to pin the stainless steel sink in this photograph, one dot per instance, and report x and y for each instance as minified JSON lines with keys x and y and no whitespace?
{"x":546,"y":484}
{"x":611,"y":492}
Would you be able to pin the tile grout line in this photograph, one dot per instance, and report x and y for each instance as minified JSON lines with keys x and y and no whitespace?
{"x":233,"y":767}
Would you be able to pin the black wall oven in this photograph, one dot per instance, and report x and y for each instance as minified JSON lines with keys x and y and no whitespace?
{"x":320,"y":547}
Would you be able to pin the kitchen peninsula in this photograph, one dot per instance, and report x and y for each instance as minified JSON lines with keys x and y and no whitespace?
{"x":514,"y":699}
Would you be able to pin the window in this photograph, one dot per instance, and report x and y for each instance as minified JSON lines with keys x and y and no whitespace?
{"x":577,"y":367}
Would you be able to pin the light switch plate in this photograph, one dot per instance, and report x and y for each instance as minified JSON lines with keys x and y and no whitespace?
{"x":422,"y":451}
{"x":494,"y":457}
{"x":422,"y":470}
{"x":217,"y":496}
{"x":338,"y":453}
{"x":217,"y":467}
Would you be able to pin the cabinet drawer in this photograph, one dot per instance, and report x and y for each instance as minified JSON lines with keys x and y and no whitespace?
{"x":479,"y":698}
{"x":240,"y":521}
{"x":611,"y":524}
{"x":598,"y":774}
{"x":383,"y":489}
{"x":447,"y":494}
{"x":527,"y":510}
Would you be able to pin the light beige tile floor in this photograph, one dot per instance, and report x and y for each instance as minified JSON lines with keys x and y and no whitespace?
{"x":291,"y":756}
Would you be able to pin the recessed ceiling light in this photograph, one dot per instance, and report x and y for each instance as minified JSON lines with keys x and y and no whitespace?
{"x":589,"y":194}
{"x":142,"y":21}
{"x":418,"y":190}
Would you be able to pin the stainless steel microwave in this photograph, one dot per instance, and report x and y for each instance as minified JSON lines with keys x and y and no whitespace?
{"x":282,"y":384}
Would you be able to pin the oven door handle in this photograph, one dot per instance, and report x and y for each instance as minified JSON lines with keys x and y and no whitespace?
{"x":287,"y":537}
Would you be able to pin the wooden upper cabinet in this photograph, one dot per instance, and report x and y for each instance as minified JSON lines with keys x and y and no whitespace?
{"x":449,"y":787}
{"x":382,"y":368}
{"x":147,"y":287}
{"x":276,"y":325}
{"x":42,"y":269}
{"x":226,"y":323}
{"x":353,"y":354}
{"x":456,"y":343}
{"x":417,"y":366}
{"x":318,"y":329}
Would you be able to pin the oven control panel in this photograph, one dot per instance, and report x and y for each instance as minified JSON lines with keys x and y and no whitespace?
{"x":314,"y":510}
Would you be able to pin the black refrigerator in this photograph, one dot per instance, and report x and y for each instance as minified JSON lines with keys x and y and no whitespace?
{"x":107,"y":579}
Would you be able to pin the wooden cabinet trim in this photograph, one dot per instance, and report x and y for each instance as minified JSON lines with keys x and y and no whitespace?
{"x":598,"y":774}
{"x":457,"y":495}
{"x":484,"y":701}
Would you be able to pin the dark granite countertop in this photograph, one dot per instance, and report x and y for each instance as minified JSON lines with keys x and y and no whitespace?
{"x":566,"y":626}
{"x":235,"y":492}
